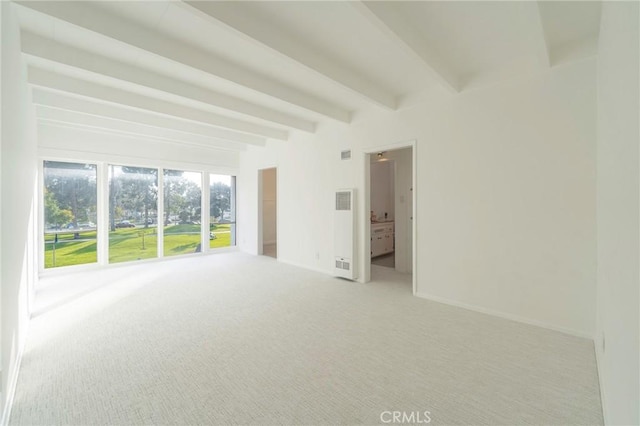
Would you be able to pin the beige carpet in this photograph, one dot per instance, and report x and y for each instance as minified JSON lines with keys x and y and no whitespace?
{"x":238,"y":339}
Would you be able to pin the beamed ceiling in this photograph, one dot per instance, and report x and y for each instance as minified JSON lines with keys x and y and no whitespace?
{"x":230,"y":74}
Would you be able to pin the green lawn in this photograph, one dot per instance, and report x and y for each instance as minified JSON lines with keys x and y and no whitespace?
{"x":181,"y":239}
{"x":132,"y":244}
{"x":222,"y":231}
{"x":127,"y":244}
{"x":70,"y":251}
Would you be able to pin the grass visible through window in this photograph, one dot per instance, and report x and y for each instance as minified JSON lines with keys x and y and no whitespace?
{"x":129,"y":244}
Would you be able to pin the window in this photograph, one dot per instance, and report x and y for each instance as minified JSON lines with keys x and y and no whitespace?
{"x":70,"y":214}
{"x":109,"y":213}
{"x":182,"y":210}
{"x":222,"y":211}
{"x":133,"y":215}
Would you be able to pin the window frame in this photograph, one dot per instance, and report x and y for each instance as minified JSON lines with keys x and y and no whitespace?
{"x":234,"y":209}
{"x":107,"y":220}
{"x":202,"y":220}
{"x":41,"y":221}
{"x":102,"y":163}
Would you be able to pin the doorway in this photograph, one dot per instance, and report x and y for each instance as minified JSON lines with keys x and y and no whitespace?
{"x":390,"y":179}
{"x":382,"y":213}
{"x":269,"y":212}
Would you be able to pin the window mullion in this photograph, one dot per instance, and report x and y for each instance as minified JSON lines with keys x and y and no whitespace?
{"x":102,"y":209}
{"x":204,"y":212}
{"x":160,"y":210}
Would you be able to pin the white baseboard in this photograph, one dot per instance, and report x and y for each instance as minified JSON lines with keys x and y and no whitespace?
{"x":13,"y":382}
{"x":505,"y":315}
{"x":601,"y":383}
{"x":299,"y":265}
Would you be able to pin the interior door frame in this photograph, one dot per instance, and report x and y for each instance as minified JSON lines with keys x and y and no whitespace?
{"x":260,"y":209}
{"x":366,"y":242}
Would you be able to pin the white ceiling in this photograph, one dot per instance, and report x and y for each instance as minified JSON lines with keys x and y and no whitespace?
{"x":472,"y":37}
{"x":565,"y":22}
{"x":247,"y":71}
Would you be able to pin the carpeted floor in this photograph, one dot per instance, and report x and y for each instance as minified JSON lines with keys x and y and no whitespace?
{"x":240,"y":339}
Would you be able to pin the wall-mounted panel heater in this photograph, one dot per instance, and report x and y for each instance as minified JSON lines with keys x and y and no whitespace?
{"x":345,"y":234}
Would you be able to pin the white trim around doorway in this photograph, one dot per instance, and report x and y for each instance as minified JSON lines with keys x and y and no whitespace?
{"x":366,"y":235}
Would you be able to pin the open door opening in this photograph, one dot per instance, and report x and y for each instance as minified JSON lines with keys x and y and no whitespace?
{"x":391,"y":233}
{"x":269,"y":216}
{"x":382,"y":213}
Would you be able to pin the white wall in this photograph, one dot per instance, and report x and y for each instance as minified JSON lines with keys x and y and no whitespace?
{"x":248,"y":197}
{"x":505,"y":194}
{"x":18,"y":183}
{"x":269,"y":206}
{"x":382,"y":189}
{"x":618,"y":212}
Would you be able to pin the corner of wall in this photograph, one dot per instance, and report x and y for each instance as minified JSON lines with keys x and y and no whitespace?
{"x":618,"y":207}
{"x":601,"y":382}
{"x":18,"y":168}
{"x":12,"y":383}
